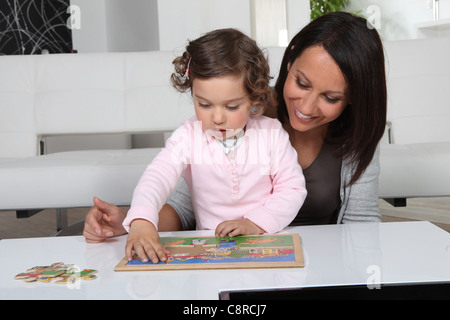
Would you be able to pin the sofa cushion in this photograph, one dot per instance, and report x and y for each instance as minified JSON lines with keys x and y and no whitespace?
{"x":49,"y":181}
{"x":414,"y":170}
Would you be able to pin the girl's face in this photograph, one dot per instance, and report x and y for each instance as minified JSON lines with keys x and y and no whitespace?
{"x":222,"y":105}
{"x":315,"y":90}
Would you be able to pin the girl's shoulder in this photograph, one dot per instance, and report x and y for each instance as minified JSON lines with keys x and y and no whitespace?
{"x":264,"y":122}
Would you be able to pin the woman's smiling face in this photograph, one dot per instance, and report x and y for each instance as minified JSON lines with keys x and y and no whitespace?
{"x":315,"y":91}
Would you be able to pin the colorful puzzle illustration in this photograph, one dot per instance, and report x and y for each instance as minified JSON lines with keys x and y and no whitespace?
{"x":261,"y":251}
{"x":57,"y":272}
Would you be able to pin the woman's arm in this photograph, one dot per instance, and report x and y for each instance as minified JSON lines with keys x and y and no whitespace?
{"x":360,"y":200}
{"x":104,"y":221}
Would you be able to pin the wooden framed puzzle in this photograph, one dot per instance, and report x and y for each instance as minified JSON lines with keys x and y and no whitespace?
{"x":256,"y":251}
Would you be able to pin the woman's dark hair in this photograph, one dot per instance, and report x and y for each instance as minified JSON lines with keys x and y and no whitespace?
{"x":358,"y":51}
{"x":225,"y":52}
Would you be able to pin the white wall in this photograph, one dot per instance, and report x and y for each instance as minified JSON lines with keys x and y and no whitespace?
{"x":116,"y":26}
{"x":298,"y":16}
{"x":180,"y":20}
{"x":398,"y":18}
{"x":276,"y":22}
{"x":91,"y":37}
{"x":132,"y":25}
{"x":140,"y":25}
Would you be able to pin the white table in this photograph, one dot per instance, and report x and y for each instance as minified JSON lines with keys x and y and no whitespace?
{"x":334,"y":255}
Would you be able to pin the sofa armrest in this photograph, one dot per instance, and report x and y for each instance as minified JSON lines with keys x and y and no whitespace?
{"x":387,"y":136}
{"x":389,"y":131}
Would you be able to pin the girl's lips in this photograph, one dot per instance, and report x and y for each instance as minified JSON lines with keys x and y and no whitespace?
{"x":218,"y":133}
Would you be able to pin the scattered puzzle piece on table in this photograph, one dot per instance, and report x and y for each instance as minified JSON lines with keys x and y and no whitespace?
{"x":68,"y":280}
{"x":57,"y":272}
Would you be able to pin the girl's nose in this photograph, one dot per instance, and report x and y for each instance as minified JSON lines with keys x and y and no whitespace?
{"x":218,"y":116}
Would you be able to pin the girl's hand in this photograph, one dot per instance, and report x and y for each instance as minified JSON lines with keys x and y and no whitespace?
{"x":233,"y":228}
{"x":144,"y":239}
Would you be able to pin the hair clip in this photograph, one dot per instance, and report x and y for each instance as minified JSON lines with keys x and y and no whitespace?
{"x":186,"y":74}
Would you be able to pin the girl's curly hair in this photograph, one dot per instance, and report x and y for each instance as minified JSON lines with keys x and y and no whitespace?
{"x":226,"y":52}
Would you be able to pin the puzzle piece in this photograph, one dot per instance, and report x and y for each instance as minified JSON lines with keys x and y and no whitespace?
{"x":50,"y":273}
{"x":38,"y":269}
{"x":68,"y":280}
{"x":23,"y":275}
{"x":62,"y":266}
{"x":44,"y":279}
{"x":58,"y":272}
{"x":86,"y":272}
{"x":89,"y":277}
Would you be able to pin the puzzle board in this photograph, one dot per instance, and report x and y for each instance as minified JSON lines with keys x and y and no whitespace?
{"x":261,"y":251}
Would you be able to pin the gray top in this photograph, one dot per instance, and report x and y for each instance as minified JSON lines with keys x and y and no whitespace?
{"x":358,"y":202}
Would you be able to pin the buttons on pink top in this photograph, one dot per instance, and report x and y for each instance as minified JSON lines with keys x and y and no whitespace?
{"x":234,"y":181}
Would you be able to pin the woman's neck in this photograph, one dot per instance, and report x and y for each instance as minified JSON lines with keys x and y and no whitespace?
{"x":307,"y":144}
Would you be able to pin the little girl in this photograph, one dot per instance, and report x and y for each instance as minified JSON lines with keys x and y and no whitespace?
{"x":242,"y":172}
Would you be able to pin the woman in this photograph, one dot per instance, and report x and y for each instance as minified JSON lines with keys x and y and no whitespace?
{"x":332,"y":102}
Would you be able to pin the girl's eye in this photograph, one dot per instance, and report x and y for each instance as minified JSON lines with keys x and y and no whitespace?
{"x":232,"y":108}
{"x":204,"y":105}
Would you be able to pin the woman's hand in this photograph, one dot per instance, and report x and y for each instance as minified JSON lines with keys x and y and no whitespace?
{"x":103,"y":221}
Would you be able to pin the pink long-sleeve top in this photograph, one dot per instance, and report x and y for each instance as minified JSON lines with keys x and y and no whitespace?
{"x":260,"y":180}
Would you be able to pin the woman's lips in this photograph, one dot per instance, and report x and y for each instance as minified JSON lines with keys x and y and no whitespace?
{"x":302,"y":117}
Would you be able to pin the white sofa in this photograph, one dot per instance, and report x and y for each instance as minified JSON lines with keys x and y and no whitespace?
{"x":78,"y":94}
{"x":416,"y":162}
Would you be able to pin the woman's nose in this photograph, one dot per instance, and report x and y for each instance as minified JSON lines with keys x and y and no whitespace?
{"x":308,"y":104}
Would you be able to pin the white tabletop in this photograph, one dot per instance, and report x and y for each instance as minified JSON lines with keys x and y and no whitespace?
{"x":333,"y":254}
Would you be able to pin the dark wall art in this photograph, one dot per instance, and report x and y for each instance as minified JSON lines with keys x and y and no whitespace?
{"x":34,"y":27}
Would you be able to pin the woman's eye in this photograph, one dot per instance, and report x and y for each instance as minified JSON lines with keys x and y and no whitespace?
{"x":301,"y":84}
{"x":331,"y":99}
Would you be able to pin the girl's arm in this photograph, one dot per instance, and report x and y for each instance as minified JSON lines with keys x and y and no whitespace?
{"x":150,"y":195}
{"x":289,"y":190}
{"x":160,"y":178}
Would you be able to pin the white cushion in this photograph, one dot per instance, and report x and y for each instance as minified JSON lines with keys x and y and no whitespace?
{"x":71,"y":179}
{"x":415,"y":170}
